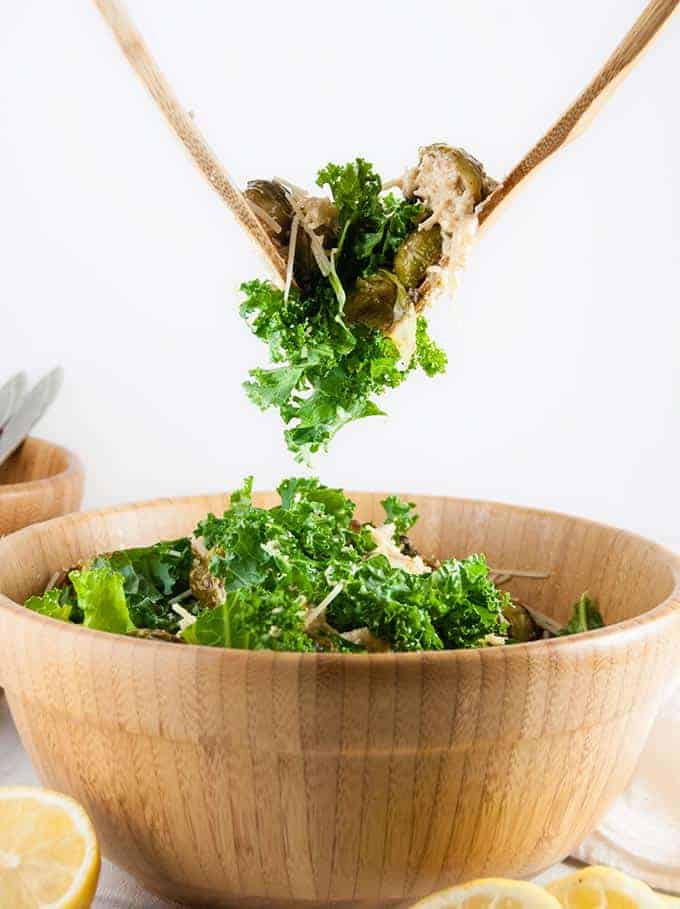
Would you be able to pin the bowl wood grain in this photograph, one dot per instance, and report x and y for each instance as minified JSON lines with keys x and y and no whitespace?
{"x":39,"y":481}
{"x":255,"y":779}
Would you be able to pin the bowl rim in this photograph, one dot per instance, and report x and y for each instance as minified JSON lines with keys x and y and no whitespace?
{"x":620,"y":633}
{"x":74,"y":467}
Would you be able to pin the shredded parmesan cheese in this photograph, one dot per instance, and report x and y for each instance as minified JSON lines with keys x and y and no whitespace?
{"x":295,"y":198}
{"x":365,"y":638}
{"x":186,"y":618}
{"x":383,"y":537}
{"x":317,"y":615}
{"x":264,"y":216}
{"x":507,"y":573}
{"x":493,"y":640}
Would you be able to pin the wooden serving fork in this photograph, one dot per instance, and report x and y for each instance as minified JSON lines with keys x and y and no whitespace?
{"x":134,"y":48}
{"x":582,"y":112}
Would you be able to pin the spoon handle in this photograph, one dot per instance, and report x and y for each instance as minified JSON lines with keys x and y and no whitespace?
{"x":581,"y":113}
{"x":138,"y":55}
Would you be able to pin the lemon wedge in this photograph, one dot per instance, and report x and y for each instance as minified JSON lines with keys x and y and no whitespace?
{"x":49,"y":856}
{"x":604,"y":888}
{"x":491,"y":893}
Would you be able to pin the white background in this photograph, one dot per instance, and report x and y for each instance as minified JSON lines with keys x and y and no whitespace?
{"x":119,"y":262}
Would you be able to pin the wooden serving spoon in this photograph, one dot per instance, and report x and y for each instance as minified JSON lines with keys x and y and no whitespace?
{"x":134,"y":48}
{"x":569,"y":125}
{"x":582,"y":112}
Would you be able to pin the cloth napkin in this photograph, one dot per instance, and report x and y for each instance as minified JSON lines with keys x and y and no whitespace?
{"x":641,"y":833}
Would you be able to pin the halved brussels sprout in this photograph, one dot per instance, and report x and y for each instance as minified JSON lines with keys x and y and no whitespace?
{"x":377,"y":301}
{"x":418,"y":252}
{"x":305,"y":269}
{"x":470,"y":170}
{"x":522,"y":626}
{"x":273,"y":201}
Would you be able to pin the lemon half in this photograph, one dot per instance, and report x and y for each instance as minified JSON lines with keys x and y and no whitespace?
{"x":491,"y":893}
{"x":49,"y":856}
{"x":604,"y":888}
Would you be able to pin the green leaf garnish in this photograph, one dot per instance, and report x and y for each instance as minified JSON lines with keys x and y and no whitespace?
{"x":101,"y":596}
{"x":52,"y":603}
{"x":401,"y":514}
{"x":586,"y":617}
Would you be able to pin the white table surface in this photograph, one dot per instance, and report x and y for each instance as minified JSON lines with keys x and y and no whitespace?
{"x":117,"y":890}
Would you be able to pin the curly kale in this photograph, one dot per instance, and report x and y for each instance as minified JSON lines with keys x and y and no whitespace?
{"x":401,"y":514}
{"x":297,"y":552}
{"x":305,"y":545}
{"x":455,"y":606}
{"x":330,"y":371}
{"x":299,"y":577}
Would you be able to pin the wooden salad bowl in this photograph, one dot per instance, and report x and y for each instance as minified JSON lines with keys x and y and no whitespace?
{"x":39,"y":481}
{"x":258,"y":779}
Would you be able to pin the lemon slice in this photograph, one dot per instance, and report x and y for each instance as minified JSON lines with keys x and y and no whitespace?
{"x":491,"y":893}
{"x":49,"y":856}
{"x":604,"y":888}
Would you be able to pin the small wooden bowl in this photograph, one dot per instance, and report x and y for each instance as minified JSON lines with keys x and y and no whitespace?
{"x":257,"y":779}
{"x":39,"y":481}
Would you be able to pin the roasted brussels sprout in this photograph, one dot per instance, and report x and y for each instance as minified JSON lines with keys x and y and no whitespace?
{"x":271,"y":199}
{"x":305,"y":270}
{"x":470,"y":171}
{"x":522,"y":626}
{"x":205,"y":586}
{"x":377,"y":301}
{"x":419,"y":251}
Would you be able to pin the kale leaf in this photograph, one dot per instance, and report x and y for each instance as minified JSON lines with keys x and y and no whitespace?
{"x":401,"y":514}
{"x":101,"y":596}
{"x":280,"y":570}
{"x":429,"y":356}
{"x":372,"y":226}
{"x":153,"y":578}
{"x":55,"y":603}
{"x":586,"y":617}
{"x":252,"y":619}
{"x":150,"y":578}
{"x":294,"y":554}
{"x":455,"y":606}
{"x":304,"y":545}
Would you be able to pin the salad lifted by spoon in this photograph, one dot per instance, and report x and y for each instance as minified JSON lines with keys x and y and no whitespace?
{"x":362,"y":264}
{"x":358,"y":268}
